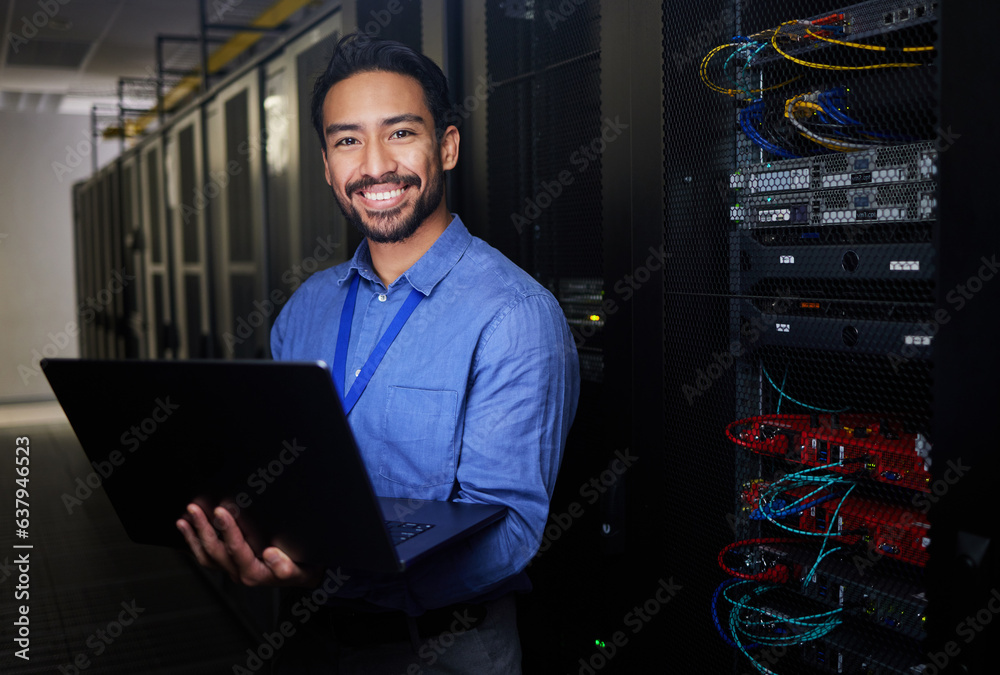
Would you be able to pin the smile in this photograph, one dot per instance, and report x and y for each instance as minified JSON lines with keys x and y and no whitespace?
{"x":382,"y":196}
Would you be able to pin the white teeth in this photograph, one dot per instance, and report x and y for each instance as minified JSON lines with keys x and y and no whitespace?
{"x":382,"y":196}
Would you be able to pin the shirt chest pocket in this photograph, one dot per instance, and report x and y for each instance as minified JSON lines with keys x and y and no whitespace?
{"x":418,"y":444}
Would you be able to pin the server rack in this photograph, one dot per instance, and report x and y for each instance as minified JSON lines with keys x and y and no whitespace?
{"x":533,"y":182}
{"x":805,"y":459}
{"x":306,"y":231}
{"x":235,"y":166}
{"x":134,"y":327}
{"x":189,"y":196}
{"x":161,"y":328}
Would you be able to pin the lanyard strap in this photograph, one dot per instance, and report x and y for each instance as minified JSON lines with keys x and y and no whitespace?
{"x":375,"y":358}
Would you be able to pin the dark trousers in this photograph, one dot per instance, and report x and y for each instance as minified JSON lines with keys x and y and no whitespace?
{"x":457,"y":640}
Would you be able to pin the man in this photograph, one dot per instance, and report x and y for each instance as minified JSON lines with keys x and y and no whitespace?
{"x":471,"y":400}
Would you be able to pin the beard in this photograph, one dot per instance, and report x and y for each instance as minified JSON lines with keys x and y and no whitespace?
{"x":391,"y":226}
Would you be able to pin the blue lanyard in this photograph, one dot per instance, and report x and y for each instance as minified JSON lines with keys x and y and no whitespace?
{"x":375,"y":358}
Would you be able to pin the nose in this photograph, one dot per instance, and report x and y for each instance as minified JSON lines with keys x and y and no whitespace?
{"x":378,"y":160}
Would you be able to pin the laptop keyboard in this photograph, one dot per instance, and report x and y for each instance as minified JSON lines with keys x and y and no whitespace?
{"x":401,"y":531}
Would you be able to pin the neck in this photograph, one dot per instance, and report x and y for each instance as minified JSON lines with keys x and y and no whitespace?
{"x":391,"y":260}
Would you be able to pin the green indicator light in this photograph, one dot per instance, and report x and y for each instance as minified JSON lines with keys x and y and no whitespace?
{"x":599,"y":643}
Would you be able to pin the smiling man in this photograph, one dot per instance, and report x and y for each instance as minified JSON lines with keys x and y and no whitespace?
{"x":470,"y":401}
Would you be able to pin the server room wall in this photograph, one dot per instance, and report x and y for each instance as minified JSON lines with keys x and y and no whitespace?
{"x":753,"y":253}
{"x":36,"y":245}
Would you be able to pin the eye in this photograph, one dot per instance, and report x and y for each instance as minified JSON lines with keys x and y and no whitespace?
{"x":346,"y":141}
{"x":401,"y":133}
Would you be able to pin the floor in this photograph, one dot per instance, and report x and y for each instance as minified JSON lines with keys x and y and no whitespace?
{"x":95,"y":601}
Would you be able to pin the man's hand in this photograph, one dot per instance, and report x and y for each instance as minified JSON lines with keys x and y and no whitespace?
{"x":232,"y":554}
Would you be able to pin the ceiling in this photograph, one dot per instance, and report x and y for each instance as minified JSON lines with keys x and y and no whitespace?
{"x":66,"y":56}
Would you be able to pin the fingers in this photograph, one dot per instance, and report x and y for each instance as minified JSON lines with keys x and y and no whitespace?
{"x":232,"y":554}
{"x":246,"y":566}
{"x":287,"y":571}
{"x":206,"y":545}
{"x":195,"y":544}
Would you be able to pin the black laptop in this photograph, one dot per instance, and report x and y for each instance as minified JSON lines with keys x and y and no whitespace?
{"x":268,"y":440}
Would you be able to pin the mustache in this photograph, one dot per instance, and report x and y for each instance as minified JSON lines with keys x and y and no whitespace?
{"x":369,"y":181}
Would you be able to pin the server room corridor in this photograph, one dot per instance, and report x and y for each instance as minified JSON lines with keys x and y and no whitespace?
{"x":96,"y":602}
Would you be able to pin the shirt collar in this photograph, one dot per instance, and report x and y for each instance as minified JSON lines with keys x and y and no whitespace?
{"x":432,"y":266}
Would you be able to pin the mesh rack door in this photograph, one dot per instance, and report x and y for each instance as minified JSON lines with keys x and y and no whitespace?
{"x":800,"y":199}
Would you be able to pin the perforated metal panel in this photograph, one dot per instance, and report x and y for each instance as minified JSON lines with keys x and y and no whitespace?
{"x":801,"y":202}
{"x":545,"y":137}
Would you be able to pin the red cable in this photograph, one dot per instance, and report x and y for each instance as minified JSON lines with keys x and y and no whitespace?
{"x":779,"y":574}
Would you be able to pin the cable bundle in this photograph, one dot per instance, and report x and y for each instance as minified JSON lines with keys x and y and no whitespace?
{"x":792,"y":36}
{"x":754,"y":622}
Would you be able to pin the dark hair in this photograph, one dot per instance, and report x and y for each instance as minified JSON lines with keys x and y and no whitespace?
{"x":358,"y":53}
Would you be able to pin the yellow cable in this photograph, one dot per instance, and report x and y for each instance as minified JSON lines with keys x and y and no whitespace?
{"x":810,"y":106}
{"x":858,"y":45}
{"x":703,"y":72}
{"x":823,"y":66}
{"x":833,"y":144}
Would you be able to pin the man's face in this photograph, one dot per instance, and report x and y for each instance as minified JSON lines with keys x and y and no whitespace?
{"x":382,"y":158}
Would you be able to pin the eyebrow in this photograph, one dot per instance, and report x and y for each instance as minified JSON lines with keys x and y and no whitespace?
{"x":387,"y":122}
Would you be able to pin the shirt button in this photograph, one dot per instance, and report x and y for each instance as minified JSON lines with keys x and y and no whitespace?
{"x":357,"y":372}
{"x":381,"y":297}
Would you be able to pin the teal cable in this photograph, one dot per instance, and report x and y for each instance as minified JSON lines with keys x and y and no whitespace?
{"x":804,"y":405}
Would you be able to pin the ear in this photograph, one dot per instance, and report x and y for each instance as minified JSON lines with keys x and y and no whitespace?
{"x":326,"y":170}
{"x":449,"y":148}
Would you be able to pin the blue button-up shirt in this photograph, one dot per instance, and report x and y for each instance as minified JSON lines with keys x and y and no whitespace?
{"x":471,"y":403}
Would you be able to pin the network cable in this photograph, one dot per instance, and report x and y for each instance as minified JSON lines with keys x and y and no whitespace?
{"x":703,"y":73}
{"x":752,"y":620}
{"x":754,"y":45}
{"x":824,"y":66}
{"x":783,"y":395}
